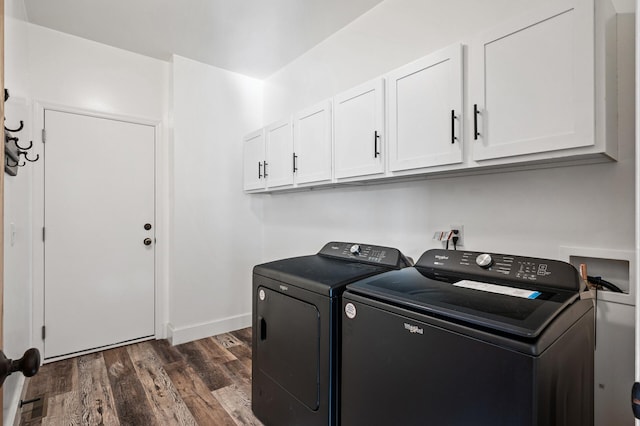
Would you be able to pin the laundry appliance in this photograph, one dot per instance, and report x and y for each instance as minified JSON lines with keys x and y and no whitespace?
{"x":296,"y":315}
{"x":468,"y":338}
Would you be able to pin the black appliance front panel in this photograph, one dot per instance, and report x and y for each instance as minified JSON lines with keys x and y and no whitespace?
{"x":286,"y":322}
{"x":296,"y":323}
{"x":419,"y":290}
{"x":398,"y":368}
{"x":272,"y":400}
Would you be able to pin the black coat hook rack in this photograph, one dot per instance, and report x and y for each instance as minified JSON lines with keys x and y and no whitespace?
{"x":23,"y":148}
{"x":20,"y":127}
{"x":12,"y":161}
{"x":14,"y":150}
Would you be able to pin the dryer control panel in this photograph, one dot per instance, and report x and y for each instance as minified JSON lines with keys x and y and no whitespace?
{"x":366,"y":253}
{"x":514,"y":269}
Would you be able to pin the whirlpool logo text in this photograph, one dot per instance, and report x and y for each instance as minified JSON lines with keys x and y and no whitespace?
{"x":413,"y":328}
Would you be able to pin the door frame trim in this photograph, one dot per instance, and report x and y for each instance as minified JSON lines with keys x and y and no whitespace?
{"x":162,"y":234}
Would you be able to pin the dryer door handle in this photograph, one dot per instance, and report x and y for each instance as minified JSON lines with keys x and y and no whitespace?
{"x":262,"y":329}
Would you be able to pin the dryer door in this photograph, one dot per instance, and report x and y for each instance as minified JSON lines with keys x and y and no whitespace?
{"x":288,"y":344}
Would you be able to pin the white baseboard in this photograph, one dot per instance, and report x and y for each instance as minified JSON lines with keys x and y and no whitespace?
{"x":178,"y":335}
{"x":11,"y":411}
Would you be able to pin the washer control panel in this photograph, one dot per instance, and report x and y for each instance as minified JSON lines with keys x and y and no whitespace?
{"x":365,"y":253}
{"x":501,"y":267}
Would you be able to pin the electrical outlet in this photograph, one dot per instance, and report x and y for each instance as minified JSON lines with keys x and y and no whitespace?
{"x":460,"y":235}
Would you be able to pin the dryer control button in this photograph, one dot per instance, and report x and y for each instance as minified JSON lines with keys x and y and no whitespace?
{"x":261,"y":294}
{"x":484,"y":260}
{"x":355,"y":249}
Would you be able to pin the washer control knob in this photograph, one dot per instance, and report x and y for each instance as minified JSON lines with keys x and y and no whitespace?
{"x":355,"y":249}
{"x":484,"y":260}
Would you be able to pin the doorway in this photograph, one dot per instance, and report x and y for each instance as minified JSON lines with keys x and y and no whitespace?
{"x":98,"y":234}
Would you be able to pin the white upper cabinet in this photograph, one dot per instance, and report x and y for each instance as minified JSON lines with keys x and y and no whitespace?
{"x":359,"y":130}
{"x":278,"y":168}
{"x":538,"y":88}
{"x":253,"y":145}
{"x":425,"y":111}
{"x":532,"y":83}
{"x":312,"y":157}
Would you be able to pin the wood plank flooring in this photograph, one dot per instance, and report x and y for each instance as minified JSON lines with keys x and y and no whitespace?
{"x":206,"y":382}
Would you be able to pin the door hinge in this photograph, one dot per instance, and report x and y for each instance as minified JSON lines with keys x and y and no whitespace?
{"x":44,"y":332}
{"x":43,"y":233}
{"x":44,"y":135}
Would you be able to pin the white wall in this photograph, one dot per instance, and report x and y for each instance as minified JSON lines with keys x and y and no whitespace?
{"x":15,"y":9}
{"x":17,"y":261}
{"x":76,"y":72}
{"x":17,"y":212}
{"x":527,"y":212}
{"x":393,"y":33}
{"x":217,"y":233}
{"x":45,"y":65}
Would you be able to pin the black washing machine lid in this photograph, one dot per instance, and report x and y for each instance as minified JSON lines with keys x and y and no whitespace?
{"x":336,"y":265}
{"x":468,"y":301}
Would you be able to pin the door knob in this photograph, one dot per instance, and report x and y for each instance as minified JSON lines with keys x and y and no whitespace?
{"x":147,"y":241}
{"x":28,"y":364}
{"x":635,"y":400}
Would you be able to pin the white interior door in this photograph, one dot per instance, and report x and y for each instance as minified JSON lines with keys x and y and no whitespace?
{"x":99,"y":195}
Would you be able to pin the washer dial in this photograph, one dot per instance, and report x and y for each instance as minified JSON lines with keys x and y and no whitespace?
{"x":484,"y":260}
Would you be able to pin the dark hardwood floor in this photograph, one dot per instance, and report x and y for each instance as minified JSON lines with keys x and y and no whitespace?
{"x":206,"y":382}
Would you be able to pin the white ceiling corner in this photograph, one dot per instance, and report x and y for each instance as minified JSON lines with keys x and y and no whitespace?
{"x":252,"y":37}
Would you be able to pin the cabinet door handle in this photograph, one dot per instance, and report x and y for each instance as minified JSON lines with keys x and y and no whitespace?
{"x":375,"y":144}
{"x":295,"y":168}
{"x":453,"y":127}
{"x":264,"y":171}
{"x":475,"y":122}
{"x":259,"y":170}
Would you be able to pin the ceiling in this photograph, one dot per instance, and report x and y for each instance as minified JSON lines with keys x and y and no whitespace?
{"x":252,"y":37}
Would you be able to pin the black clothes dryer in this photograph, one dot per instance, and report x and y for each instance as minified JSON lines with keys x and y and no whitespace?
{"x":467,"y":338}
{"x":296,"y":313}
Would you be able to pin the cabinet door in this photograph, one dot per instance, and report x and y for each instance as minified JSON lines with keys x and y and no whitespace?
{"x":425,"y":111}
{"x":532,"y":82}
{"x":254,"y":161}
{"x":279,"y":145}
{"x":359,"y":129}
{"x":312,"y":144}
